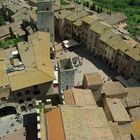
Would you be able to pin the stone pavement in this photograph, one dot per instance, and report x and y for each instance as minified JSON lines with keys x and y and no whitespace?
{"x":11,"y":123}
{"x":90,"y":64}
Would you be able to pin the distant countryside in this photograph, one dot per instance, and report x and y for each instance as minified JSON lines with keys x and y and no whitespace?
{"x":131,"y":8}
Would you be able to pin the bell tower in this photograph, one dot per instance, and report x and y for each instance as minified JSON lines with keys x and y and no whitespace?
{"x":45,"y":17}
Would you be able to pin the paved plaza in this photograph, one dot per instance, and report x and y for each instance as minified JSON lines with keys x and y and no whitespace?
{"x":11,"y":123}
{"x":89,"y":62}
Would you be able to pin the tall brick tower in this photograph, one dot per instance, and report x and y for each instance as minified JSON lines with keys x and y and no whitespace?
{"x":66,"y":73}
{"x":45,"y":17}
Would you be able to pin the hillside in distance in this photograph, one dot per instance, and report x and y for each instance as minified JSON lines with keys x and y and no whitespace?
{"x":131,"y":8}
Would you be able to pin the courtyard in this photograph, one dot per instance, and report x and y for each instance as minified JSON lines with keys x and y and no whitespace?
{"x":11,"y":123}
{"x":88,"y":63}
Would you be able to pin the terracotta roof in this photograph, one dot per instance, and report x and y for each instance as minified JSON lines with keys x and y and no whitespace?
{"x":135,"y":113}
{"x":113,"y":88}
{"x":78,"y":22}
{"x":27,"y":79}
{"x":78,"y":123}
{"x":112,"y":19}
{"x":116,"y":18}
{"x":90,"y":19}
{"x":116,"y":42}
{"x":113,"y":40}
{"x":117,"y":110}
{"x":93,"y":79}
{"x":35,"y":56}
{"x":3,"y":76}
{"x":62,"y":14}
{"x":68,"y":97}
{"x":128,"y":128}
{"x":133,"y":96}
{"x":136,"y":125}
{"x":80,"y":97}
{"x":55,"y":125}
{"x":77,"y":15}
{"x":4,"y":30}
{"x":100,"y":28}
{"x":118,"y":134}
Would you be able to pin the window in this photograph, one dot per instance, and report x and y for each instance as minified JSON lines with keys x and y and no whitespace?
{"x":29,"y":99}
{"x":134,"y":67}
{"x":36,"y":92}
{"x":23,"y":108}
{"x":47,"y":9}
{"x":27,"y":92}
{"x":132,"y":74}
{"x":35,"y":87}
{"x":119,"y":54}
{"x":127,"y":57}
{"x":67,"y":86}
{"x":19,"y":94}
{"x":21,"y":101}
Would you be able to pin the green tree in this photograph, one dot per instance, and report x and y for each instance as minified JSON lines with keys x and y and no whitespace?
{"x":79,"y":2}
{"x":98,"y":10}
{"x":132,"y":2}
{"x":93,"y":7}
{"x":101,"y":9}
{"x":1,"y":21}
{"x":84,"y":3}
{"x":87,"y":4}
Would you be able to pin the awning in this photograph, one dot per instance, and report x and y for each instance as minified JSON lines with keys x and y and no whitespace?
{"x":123,"y":81}
{"x":70,"y":43}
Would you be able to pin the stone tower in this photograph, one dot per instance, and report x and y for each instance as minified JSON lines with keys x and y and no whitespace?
{"x":66,"y":73}
{"x":45,"y":17}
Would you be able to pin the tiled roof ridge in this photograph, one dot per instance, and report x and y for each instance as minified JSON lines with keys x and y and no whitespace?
{"x":73,"y":95}
{"x":62,"y":122}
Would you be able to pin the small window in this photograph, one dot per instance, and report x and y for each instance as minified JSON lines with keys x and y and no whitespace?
{"x":36,"y":92}
{"x":21,"y":101}
{"x":47,"y":9}
{"x":19,"y":94}
{"x":27,"y":92}
{"x":127,"y":57}
{"x":134,"y":67}
{"x":35,"y":87}
{"x":132,"y":74}
{"x":23,"y":108}
{"x":67,"y":86}
{"x":29,"y":99}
